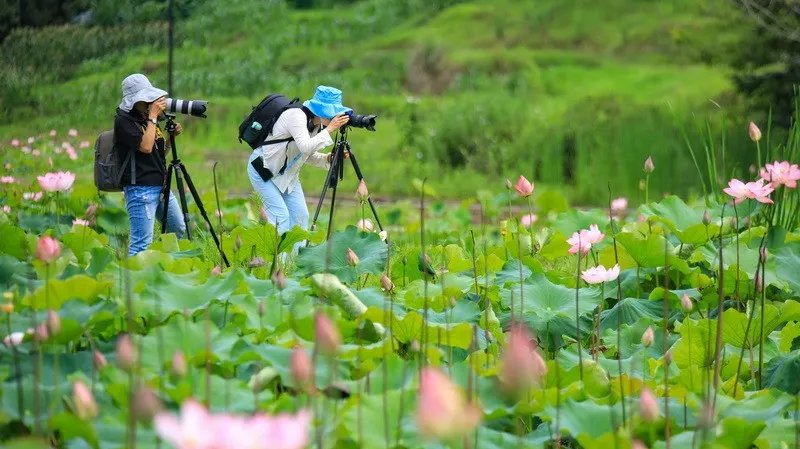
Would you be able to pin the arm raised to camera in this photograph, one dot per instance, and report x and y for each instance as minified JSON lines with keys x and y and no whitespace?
{"x":296,"y":125}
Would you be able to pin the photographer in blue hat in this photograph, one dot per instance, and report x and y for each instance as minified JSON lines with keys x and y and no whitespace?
{"x":311,"y":128}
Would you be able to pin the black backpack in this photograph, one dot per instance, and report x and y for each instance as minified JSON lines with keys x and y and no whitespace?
{"x":108,"y":168}
{"x":258,"y":125}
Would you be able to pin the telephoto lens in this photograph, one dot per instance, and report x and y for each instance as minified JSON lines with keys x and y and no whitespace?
{"x":196,"y":108}
{"x":362,"y":121}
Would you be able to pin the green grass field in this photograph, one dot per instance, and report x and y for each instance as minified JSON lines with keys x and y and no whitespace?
{"x":468,"y":93}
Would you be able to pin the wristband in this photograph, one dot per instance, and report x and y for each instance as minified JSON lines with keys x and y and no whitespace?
{"x":153,"y":121}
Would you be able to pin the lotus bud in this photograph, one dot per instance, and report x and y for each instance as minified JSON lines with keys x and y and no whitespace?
{"x":352,"y":258}
{"x":686,"y":303}
{"x":762,"y":255}
{"x":264,"y":216}
{"x":41,"y":333}
{"x":706,"y":218}
{"x":261,"y":379}
{"x":98,"y":360}
{"x":85,"y":405}
{"x":279,"y":279}
{"x":387,"y":283}
{"x":636,"y":444}
{"x":126,"y":353}
{"x":237,"y":244}
{"x":301,"y":368}
{"x":179,"y":367}
{"x":415,"y":346}
{"x":47,"y":249}
{"x":383,"y":235}
{"x":647,"y":337}
{"x":442,"y":412}
{"x":326,"y":334}
{"x":509,"y":185}
{"x":256,"y":262}
{"x":668,"y":357}
{"x":261,"y":308}
{"x":362,"y":193}
{"x":53,"y":322}
{"x":746,"y":222}
{"x":648,"y":165}
{"x":145,"y":404}
{"x":523,"y":187}
{"x":216,"y":271}
{"x":522,"y":366}
{"x":759,"y":283}
{"x":648,"y":405}
{"x":755,"y":133}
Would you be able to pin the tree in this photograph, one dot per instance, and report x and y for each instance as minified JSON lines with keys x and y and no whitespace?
{"x":769,"y":63}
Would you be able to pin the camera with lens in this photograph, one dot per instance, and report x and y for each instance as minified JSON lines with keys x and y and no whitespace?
{"x":361,"y":121}
{"x":196,"y":108}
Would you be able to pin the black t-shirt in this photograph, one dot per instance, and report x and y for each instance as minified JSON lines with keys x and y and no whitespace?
{"x":128,"y":131}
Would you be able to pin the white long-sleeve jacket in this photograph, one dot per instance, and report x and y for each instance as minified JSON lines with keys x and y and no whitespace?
{"x":304,"y":148}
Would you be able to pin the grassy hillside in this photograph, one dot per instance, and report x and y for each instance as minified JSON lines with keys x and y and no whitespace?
{"x":468,"y":93}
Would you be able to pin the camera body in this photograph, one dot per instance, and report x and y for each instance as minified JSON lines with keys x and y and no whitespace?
{"x":361,"y":121}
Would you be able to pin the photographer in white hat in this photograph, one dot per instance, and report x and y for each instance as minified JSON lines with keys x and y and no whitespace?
{"x":136,"y":131}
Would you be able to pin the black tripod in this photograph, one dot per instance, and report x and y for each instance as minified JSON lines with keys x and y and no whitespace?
{"x":336,"y":173}
{"x":177,"y":167}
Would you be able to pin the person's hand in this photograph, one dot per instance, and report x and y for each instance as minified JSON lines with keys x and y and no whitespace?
{"x":337,"y":122}
{"x":156,"y":108}
{"x":330,"y":156}
{"x":178,"y":128}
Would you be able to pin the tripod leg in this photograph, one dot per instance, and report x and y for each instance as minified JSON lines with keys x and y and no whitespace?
{"x":330,"y":214}
{"x":182,"y":196}
{"x":369,"y":200}
{"x":165,"y":196}
{"x":330,"y":180}
{"x":202,"y":210}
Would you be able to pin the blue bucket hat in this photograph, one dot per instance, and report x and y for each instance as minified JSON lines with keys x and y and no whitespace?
{"x":326,"y":103}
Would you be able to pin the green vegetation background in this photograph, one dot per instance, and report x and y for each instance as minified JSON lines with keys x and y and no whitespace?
{"x":572,"y":94}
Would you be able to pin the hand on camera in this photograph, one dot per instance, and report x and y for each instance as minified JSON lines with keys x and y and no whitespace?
{"x":156,"y":108}
{"x":337,"y":122}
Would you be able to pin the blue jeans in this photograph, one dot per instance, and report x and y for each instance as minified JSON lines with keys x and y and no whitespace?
{"x":144,"y":207}
{"x":284,"y":210}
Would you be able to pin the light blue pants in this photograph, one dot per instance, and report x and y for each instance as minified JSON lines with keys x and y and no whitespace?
{"x":144,"y":208}
{"x":284,"y":210}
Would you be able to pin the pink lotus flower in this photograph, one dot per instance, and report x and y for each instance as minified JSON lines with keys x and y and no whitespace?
{"x":523,"y":187}
{"x":781,"y":173}
{"x":326,"y":334}
{"x":85,"y":405}
{"x":648,"y":405}
{"x":36,"y":153}
{"x":352,"y":257}
{"x":72,"y":154}
{"x":754,"y":132}
{"x":72,"y":132}
{"x":216,"y":271}
{"x":7,"y":180}
{"x":599,"y":274}
{"x":126,"y":353}
{"x":179,"y":366}
{"x":31,"y":140}
{"x":522,"y":366}
{"x":47,"y":249}
{"x":32,"y":196}
{"x":195,"y":430}
{"x":84,"y":144}
{"x":7,"y":209}
{"x":594,"y":235}
{"x":756,"y":190}
{"x":53,"y":322}
{"x":386,"y":283}
{"x":528,"y":220}
{"x":618,"y":205}
{"x":98,"y":360}
{"x":14,"y":142}
{"x":442,"y":411}
{"x":26,"y":149}
{"x":365,"y":225}
{"x":56,"y":182}
{"x":81,"y":222}
{"x":579,"y":242}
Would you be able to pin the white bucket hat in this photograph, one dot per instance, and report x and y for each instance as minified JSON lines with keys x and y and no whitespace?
{"x":136,"y":88}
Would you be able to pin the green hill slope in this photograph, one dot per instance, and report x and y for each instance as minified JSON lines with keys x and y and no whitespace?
{"x":567,"y":92}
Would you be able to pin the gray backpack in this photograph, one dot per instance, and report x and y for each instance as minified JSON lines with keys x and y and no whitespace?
{"x":108,"y":169}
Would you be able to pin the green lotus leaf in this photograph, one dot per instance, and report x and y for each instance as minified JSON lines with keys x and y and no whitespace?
{"x":366,"y":417}
{"x":69,"y":426}
{"x":56,"y":292}
{"x":783,"y":373}
{"x":683,"y":221}
{"x":27,"y":443}
{"x":735,"y":325}
{"x":574,"y":220}
{"x":765,"y":405}
{"x":371,"y":251}
{"x":739,"y":433}
{"x":650,"y":252}
{"x":587,"y":417}
{"x":631,"y":310}
{"x":13,"y":242}
{"x":696,"y":345}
